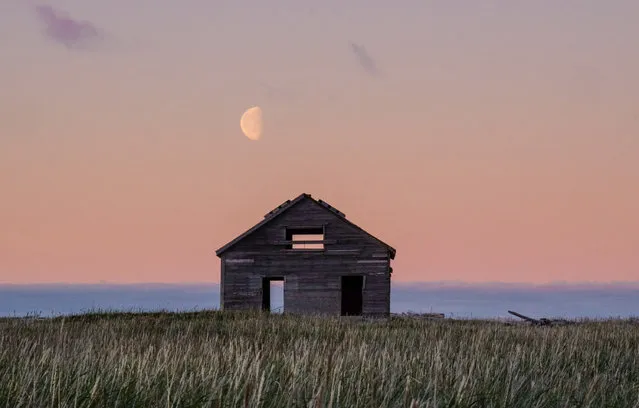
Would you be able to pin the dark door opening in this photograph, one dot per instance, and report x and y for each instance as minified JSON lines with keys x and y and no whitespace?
{"x":352,"y":288}
{"x":273,"y":294}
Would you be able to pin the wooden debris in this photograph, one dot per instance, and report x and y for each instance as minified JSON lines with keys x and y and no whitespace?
{"x":540,"y":322}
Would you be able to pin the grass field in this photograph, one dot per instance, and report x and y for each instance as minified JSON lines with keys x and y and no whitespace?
{"x":222,"y":359}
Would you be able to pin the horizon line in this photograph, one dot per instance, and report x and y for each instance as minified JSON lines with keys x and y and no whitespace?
{"x":439,"y":283}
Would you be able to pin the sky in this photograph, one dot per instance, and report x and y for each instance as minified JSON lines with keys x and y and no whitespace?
{"x":485,"y":141}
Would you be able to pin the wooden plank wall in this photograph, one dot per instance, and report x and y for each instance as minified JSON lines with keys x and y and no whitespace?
{"x":312,"y":277}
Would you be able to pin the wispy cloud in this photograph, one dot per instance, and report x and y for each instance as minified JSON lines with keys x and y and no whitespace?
{"x":59,"y":27}
{"x":364,"y":59}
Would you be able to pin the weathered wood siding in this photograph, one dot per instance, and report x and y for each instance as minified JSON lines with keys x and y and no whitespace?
{"x":312,"y":277}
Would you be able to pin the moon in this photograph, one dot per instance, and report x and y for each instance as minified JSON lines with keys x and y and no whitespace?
{"x":251,"y":123}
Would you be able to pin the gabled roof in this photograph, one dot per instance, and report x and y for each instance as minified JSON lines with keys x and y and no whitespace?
{"x":288,"y":204}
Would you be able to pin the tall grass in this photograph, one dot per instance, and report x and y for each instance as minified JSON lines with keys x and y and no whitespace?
{"x":222,"y":359}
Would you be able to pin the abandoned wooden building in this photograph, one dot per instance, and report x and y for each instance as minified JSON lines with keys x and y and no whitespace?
{"x":328,"y":265}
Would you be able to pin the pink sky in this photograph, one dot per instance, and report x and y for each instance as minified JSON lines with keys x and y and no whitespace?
{"x":485,"y":143}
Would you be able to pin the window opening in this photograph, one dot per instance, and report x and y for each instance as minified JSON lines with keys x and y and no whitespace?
{"x":305,"y":238}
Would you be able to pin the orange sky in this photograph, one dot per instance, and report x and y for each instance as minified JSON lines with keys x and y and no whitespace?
{"x":488,"y":144}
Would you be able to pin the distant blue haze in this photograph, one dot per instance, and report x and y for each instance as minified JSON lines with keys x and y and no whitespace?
{"x":453,"y":299}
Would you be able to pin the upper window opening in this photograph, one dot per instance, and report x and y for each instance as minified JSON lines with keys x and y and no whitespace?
{"x":305,"y":238}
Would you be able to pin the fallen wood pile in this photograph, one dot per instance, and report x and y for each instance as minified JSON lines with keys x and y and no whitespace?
{"x":542,"y":321}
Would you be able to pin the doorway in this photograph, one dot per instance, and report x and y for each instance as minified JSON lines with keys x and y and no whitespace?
{"x":352,"y":299}
{"x":273,"y":294}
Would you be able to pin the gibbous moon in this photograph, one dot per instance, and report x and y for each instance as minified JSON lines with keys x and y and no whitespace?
{"x":251,"y":123}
